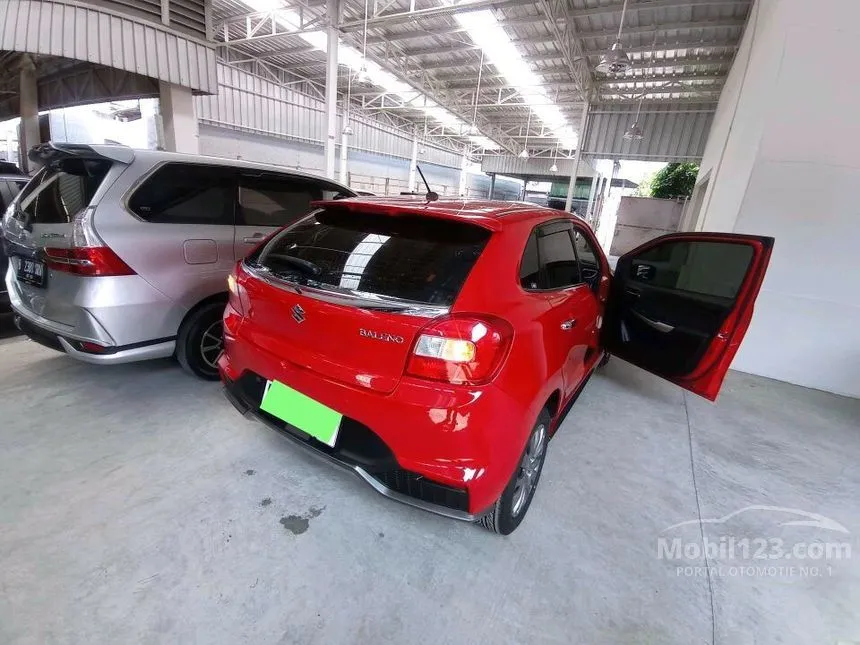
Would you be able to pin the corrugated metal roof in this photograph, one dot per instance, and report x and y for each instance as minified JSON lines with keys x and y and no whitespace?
{"x":681,"y":51}
{"x":110,"y":38}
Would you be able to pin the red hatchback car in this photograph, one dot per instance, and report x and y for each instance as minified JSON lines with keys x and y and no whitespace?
{"x":434,"y":348}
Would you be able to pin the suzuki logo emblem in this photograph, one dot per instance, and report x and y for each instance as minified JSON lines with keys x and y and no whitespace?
{"x":298,"y":314}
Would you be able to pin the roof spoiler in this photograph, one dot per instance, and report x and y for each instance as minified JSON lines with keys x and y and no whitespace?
{"x":45,"y":153}
{"x":405,"y":206}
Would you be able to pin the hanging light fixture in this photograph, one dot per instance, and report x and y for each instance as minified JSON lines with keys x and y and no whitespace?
{"x":615,"y":60}
{"x":525,"y":153}
{"x":634,"y":132}
{"x":363,"y":76}
{"x":473,"y":129}
{"x":554,"y":166}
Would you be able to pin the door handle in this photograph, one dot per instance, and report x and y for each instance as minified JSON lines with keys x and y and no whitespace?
{"x":656,"y":324}
{"x":630,"y":291}
{"x":568,"y":324}
{"x":253,"y":239}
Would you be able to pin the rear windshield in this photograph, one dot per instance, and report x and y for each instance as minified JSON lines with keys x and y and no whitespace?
{"x":411,"y":257}
{"x":61,"y":190}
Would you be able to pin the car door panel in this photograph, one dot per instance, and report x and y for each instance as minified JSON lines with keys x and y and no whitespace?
{"x":571,"y":317}
{"x":680,"y":305}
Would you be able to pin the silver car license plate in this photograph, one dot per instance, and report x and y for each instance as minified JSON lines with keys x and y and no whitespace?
{"x":31,"y":271}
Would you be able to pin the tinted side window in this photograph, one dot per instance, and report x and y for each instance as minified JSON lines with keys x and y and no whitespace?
{"x":529,"y":267}
{"x":557,"y":257}
{"x":589,"y":265}
{"x":275,"y":200}
{"x":689,"y":266}
{"x":179,"y":193}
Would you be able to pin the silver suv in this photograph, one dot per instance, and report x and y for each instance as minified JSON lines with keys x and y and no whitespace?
{"x":119,"y":255}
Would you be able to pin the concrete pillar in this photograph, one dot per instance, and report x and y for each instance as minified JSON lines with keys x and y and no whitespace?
{"x":462,"y":188}
{"x":332,"y":7}
{"x":413,"y":165}
{"x":492,"y":186}
{"x":568,"y":202}
{"x":525,"y":189}
{"x":178,"y":121}
{"x":344,"y":153}
{"x":581,"y":142}
{"x":29,"y":108}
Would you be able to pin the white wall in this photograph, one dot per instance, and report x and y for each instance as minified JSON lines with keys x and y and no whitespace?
{"x":640,"y":219}
{"x":784,"y":160}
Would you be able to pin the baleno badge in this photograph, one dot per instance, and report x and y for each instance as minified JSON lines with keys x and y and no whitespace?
{"x":379,"y":335}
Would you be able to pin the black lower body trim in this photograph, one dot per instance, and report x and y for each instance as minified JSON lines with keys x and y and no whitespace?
{"x":38,"y":335}
{"x":372,"y":462}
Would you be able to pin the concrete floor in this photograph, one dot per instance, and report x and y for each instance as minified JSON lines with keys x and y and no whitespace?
{"x":137,"y":507}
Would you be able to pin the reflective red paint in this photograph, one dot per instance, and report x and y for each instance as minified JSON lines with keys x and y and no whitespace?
{"x":461,"y":424}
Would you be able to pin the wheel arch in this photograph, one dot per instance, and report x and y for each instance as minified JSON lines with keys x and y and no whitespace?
{"x":220,"y":297}
{"x":552,"y":403}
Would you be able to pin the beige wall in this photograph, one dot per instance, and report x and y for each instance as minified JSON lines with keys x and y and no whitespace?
{"x":783,"y":159}
{"x":643,"y":218}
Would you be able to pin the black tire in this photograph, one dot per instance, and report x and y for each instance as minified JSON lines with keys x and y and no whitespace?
{"x":604,"y":360}
{"x":195,"y":344}
{"x":510,"y":509}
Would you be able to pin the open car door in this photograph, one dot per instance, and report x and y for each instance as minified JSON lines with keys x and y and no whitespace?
{"x":680,"y":305}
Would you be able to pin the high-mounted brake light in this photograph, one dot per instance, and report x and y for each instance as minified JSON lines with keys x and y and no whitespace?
{"x":87,"y":261}
{"x":460,"y":349}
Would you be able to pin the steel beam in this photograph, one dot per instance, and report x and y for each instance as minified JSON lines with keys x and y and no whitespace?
{"x":569,"y":44}
{"x":730,"y":23}
{"x":401,"y":17}
{"x":646,"y":5}
{"x":332,"y":14}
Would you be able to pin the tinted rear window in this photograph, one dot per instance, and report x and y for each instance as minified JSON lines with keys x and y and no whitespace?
{"x":62,"y":190}
{"x":415,"y":258}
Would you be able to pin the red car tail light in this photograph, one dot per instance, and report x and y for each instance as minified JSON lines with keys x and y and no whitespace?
{"x":233,"y":294}
{"x":87,"y":261}
{"x":237,"y":295}
{"x":463,"y":350}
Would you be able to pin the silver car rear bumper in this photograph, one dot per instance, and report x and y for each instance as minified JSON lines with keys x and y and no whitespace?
{"x":45,"y":328}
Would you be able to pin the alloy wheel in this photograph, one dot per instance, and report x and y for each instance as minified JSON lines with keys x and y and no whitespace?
{"x":211,"y":344}
{"x":529,"y":469}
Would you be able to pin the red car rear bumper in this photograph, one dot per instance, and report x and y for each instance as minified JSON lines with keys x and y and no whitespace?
{"x":452,"y":449}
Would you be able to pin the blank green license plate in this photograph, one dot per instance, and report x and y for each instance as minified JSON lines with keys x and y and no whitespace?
{"x":293,"y":407}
